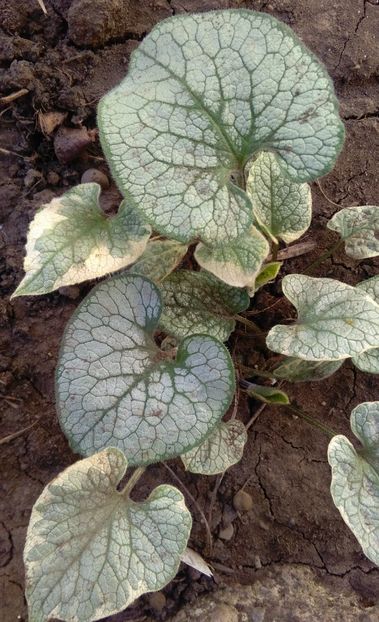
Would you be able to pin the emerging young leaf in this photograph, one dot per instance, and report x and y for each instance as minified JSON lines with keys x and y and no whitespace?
{"x":223,"y":448}
{"x":238,"y":262}
{"x":297,"y":370}
{"x":355,"y":478}
{"x":91,"y":551}
{"x":115,"y":387}
{"x":197,"y":302}
{"x":159,"y":259}
{"x":269,"y":395}
{"x":203,"y":94}
{"x":359,"y":228}
{"x":72,"y":240}
{"x":282,"y":207}
{"x":335,"y":321}
{"x":268,"y":273}
{"x":369,"y":361}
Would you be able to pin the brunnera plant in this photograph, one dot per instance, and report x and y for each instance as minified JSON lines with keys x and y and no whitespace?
{"x":212,"y":138}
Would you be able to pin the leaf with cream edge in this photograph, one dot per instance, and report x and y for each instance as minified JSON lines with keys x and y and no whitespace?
{"x":159,"y":259}
{"x":359,"y":228}
{"x":91,"y":551}
{"x":115,"y":387}
{"x":197,"y":302}
{"x":297,"y":370}
{"x":204,"y":93}
{"x":223,"y":448}
{"x":335,"y":321}
{"x":71,"y":240}
{"x":355,"y":478}
{"x":283,"y":208}
{"x":237,"y":263}
{"x":369,"y":361}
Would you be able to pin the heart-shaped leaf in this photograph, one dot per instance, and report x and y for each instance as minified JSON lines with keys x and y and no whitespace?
{"x":238,"y":262}
{"x":355,"y":478}
{"x":91,"y":551}
{"x":335,"y":321}
{"x":72,"y":240}
{"x":115,"y":387}
{"x":197,"y":302}
{"x":282,"y":207}
{"x":297,"y":370}
{"x":159,"y":259}
{"x":223,"y":448}
{"x":359,"y":228}
{"x":369,"y":361}
{"x":203,"y":94}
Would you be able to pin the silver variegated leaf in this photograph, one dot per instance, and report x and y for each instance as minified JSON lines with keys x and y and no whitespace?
{"x":359,"y":228}
{"x":355,"y":478}
{"x":91,"y":551}
{"x":159,"y":259}
{"x":369,"y":361}
{"x":116,"y":388}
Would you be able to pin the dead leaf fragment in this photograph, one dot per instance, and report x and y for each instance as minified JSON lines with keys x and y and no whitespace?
{"x":49,"y":121}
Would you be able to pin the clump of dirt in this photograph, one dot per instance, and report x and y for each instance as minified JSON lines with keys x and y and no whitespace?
{"x":284,"y":469}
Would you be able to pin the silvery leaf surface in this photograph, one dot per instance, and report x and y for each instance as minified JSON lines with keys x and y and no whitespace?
{"x":115,"y":387}
{"x":71,"y":240}
{"x":335,"y":321}
{"x":197,"y":302}
{"x":281,"y":206}
{"x":223,"y":448}
{"x":203,"y":94}
{"x":237,"y":263}
{"x":91,"y":551}
{"x":159,"y":259}
{"x":369,"y":361}
{"x":298,"y":370}
{"x":355,"y":478}
{"x":359,"y":228}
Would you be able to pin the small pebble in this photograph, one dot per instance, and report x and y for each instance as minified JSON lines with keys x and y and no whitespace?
{"x":157,"y":601}
{"x":52,"y":178}
{"x":224,"y":613}
{"x":93,"y":175}
{"x":70,"y":291}
{"x":242,"y":501}
{"x":227,"y":532}
{"x":69,"y":142}
{"x":31,"y":177}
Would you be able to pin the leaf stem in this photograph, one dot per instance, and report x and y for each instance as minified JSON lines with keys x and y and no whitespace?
{"x":249,"y":324}
{"x":133,"y":479}
{"x":311,"y":420}
{"x":323,"y":256}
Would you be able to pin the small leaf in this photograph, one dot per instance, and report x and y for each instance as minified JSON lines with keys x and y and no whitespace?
{"x":269,"y":395}
{"x":369,"y":361}
{"x":237,"y":263}
{"x":335,"y":320}
{"x":359,"y":228}
{"x":91,"y":551}
{"x":355,"y":478}
{"x":297,"y":370}
{"x":281,"y":206}
{"x":115,"y":387}
{"x":193,"y":559}
{"x":223,"y":448}
{"x":204,"y":93}
{"x":268,"y":273}
{"x":159,"y":259}
{"x":197,"y":302}
{"x":71,"y":240}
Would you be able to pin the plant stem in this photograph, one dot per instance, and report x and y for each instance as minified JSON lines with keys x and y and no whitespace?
{"x":261,"y":373}
{"x":275,"y":249}
{"x":249,"y":324}
{"x":133,"y":479}
{"x":323,"y":256}
{"x":313,"y":422}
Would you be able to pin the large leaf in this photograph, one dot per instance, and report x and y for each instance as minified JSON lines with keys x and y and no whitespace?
{"x":297,"y":370}
{"x":237,"y":263}
{"x":197,"y":302}
{"x":203,"y":94}
{"x":159,"y":259}
{"x":355,"y":478}
{"x":335,"y":321}
{"x":72,"y":240}
{"x":91,"y":551}
{"x":281,"y":206}
{"x":223,"y":448}
{"x":115,"y":387}
{"x":369,"y":361}
{"x":359,"y":228}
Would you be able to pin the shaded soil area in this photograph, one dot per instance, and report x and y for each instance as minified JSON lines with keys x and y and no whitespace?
{"x":63,"y":62}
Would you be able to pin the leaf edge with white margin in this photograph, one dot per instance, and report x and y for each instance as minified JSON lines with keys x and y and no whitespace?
{"x":333,"y":225}
{"x":369,"y":361}
{"x":184,"y":524}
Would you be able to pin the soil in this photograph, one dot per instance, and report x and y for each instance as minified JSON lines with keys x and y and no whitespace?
{"x":64,"y":66}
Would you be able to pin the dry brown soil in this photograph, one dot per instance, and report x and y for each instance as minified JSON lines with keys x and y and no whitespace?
{"x":66,"y":64}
